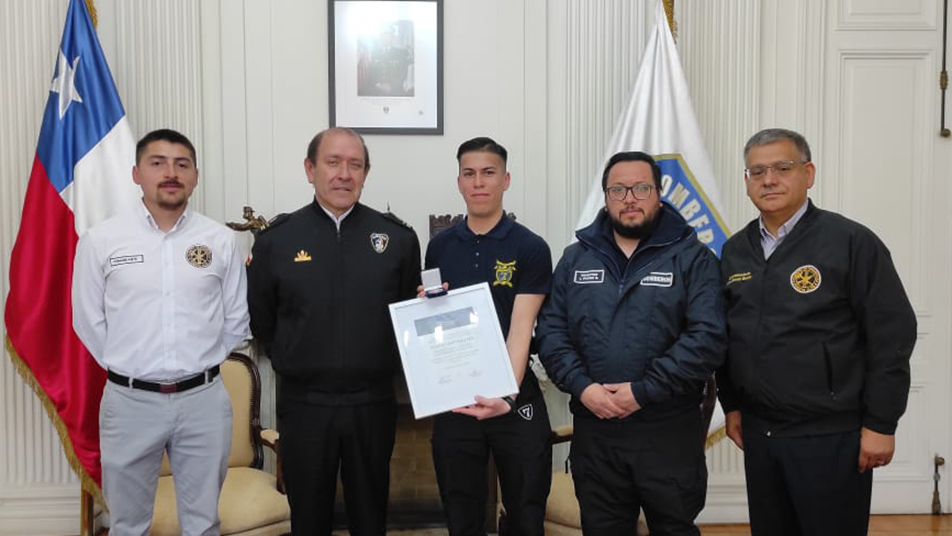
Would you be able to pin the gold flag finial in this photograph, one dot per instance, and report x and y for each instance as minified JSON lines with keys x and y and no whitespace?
{"x":91,"y":6}
{"x":669,"y":11}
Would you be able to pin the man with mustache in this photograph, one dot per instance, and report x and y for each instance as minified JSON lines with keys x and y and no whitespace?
{"x":817,"y":369}
{"x":633,"y":329}
{"x":319,"y":283}
{"x":159,"y":301}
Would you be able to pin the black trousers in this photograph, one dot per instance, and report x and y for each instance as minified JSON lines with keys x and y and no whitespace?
{"x":806,"y":486}
{"x":620,"y":467}
{"x":522,"y":452}
{"x":316,"y":442}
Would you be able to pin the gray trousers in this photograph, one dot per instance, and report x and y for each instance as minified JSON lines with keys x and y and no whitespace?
{"x":136,"y":427}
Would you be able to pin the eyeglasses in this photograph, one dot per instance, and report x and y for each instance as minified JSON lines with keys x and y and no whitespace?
{"x":781,"y":169}
{"x":620,"y":193}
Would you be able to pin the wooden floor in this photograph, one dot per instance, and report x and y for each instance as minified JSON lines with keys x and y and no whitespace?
{"x":904,"y":525}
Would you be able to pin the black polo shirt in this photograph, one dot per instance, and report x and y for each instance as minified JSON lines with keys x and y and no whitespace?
{"x":510,"y":257}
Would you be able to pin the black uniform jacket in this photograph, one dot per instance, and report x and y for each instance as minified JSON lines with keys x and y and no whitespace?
{"x":656,"y":321}
{"x":820,"y":334}
{"x":318,"y":301}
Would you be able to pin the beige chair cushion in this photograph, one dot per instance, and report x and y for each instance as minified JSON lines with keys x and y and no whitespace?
{"x":562,"y":506}
{"x":238,"y":382}
{"x":249,"y":501}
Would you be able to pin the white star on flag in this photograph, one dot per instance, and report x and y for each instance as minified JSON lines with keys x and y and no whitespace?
{"x":64,"y":83}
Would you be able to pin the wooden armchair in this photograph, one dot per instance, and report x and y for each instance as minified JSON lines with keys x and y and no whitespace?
{"x":252,"y":501}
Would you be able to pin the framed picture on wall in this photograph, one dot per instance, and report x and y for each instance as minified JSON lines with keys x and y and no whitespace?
{"x":386,"y":65}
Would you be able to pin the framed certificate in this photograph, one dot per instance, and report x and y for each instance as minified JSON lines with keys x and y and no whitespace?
{"x":452,"y":349}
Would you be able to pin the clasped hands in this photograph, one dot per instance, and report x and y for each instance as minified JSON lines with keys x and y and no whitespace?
{"x":610,"y":400}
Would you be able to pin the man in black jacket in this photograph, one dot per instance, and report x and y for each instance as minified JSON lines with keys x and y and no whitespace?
{"x":633,"y":328}
{"x":319,"y":282}
{"x":817,"y":370}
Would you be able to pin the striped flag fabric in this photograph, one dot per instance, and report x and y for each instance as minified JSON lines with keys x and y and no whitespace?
{"x":660,"y":121}
{"x":81,"y":175}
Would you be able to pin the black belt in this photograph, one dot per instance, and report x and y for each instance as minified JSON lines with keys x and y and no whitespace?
{"x":177,"y":387}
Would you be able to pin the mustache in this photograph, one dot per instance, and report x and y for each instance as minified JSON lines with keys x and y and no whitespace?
{"x":173,"y":182}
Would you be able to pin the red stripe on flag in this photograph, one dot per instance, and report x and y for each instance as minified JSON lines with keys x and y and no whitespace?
{"x":39,"y":319}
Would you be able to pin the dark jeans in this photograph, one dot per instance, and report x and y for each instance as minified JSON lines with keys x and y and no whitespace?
{"x":806,"y":486}
{"x":620,"y":467}
{"x":316,"y":442}
{"x":522,"y":453}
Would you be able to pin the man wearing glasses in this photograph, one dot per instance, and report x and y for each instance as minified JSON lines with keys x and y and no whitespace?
{"x":633,"y":328}
{"x":817,"y":369}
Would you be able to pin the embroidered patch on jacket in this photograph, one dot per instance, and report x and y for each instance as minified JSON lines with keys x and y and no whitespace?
{"x":126,"y":259}
{"x":658,"y":279}
{"x":302,"y":256}
{"x":736,"y":278}
{"x":199,"y":256}
{"x":379,"y":241}
{"x":589,"y":277}
{"x":504,"y":272}
{"x":526,"y":412}
{"x":805,"y":279}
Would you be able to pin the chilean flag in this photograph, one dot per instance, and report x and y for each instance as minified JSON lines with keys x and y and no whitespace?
{"x":82,"y":174}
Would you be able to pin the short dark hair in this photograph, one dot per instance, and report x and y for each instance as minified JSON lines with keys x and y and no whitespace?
{"x":316,"y":144}
{"x":482,"y":144}
{"x":633,"y":156}
{"x":774,"y":135}
{"x":164,"y":134}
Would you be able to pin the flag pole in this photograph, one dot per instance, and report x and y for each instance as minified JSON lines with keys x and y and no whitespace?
{"x":668,"y":11}
{"x":87,"y":514}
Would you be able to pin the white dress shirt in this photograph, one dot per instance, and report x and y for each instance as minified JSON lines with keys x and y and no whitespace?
{"x":159,"y":306}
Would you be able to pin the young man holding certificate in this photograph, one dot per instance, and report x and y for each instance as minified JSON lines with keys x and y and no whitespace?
{"x":489,"y":246}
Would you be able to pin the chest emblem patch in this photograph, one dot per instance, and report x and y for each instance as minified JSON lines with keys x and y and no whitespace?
{"x":302,"y":256}
{"x":504,"y":272}
{"x":658,"y":279}
{"x":805,"y":279}
{"x":379,"y":241}
{"x":589,"y":277}
{"x":526,"y":412}
{"x":199,"y":256}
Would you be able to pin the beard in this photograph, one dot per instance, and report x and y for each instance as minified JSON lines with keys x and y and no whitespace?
{"x":638,"y":231}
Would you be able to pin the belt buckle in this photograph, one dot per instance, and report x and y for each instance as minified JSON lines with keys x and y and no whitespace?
{"x":168,"y":388}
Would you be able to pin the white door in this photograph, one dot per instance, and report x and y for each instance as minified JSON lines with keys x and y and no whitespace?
{"x":884,"y":164}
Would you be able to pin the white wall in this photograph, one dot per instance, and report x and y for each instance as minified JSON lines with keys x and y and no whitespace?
{"x":247,"y":80}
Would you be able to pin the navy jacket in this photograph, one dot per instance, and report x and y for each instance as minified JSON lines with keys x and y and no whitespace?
{"x":820,"y":334}
{"x":655,"y":320}
{"x":318,"y":301}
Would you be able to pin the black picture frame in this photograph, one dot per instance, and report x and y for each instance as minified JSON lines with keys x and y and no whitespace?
{"x":385,"y":66}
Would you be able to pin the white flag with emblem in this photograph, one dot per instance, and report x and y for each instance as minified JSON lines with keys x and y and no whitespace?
{"x":660,"y":121}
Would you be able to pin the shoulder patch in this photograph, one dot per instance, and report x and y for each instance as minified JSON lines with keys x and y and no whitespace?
{"x":393,"y":217}
{"x":275,"y":221}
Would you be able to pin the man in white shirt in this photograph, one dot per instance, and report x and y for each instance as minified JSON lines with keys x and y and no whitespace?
{"x":159,"y":299}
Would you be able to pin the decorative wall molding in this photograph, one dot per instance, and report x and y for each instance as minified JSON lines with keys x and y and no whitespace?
{"x":894,"y":15}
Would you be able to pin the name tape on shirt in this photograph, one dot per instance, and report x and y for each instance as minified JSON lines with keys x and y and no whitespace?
{"x":736,"y":278}
{"x":589,"y":277}
{"x":126,"y":259}
{"x":658,"y":279}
